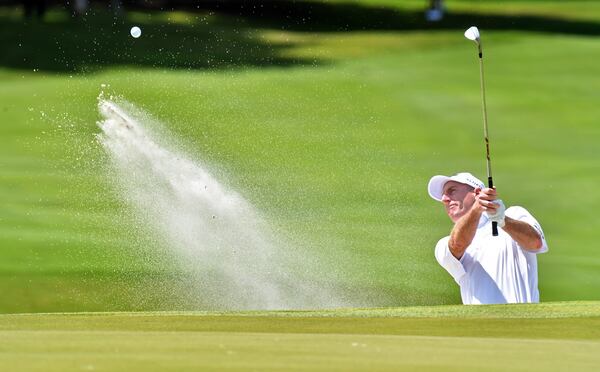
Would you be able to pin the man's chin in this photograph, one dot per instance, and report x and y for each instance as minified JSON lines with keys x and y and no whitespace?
{"x":453,"y":216}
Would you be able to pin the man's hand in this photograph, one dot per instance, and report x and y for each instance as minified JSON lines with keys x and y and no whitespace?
{"x":488,"y":202}
{"x":498,"y":214}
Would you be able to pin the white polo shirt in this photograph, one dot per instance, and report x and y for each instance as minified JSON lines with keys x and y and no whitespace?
{"x":495,"y":269}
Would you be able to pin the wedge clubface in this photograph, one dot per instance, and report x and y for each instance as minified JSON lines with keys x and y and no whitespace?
{"x":473,"y":34}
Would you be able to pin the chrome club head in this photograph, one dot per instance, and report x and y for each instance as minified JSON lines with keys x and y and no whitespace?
{"x":472,"y":34}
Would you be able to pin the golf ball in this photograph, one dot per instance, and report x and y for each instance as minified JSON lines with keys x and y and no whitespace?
{"x":135,"y":32}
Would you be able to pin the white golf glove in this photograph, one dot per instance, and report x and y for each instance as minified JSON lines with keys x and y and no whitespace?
{"x":498,"y":215}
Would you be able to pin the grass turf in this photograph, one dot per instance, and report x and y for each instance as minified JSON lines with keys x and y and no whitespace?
{"x":332,"y":134}
{"x":546,"y":337}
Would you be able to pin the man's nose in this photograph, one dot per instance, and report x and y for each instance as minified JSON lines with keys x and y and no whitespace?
{"x":445,"y":198}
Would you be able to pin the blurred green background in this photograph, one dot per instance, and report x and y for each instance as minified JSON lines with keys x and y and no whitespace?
{"x":329,"y":116}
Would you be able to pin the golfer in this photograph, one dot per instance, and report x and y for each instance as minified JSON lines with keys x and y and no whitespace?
{"x":489,"y":269}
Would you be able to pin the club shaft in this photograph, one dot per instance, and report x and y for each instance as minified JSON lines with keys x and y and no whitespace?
{"x":485,"y":121}
{"x":486,"y":134}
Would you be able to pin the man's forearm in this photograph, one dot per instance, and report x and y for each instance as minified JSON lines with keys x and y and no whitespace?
{"x":525,"y":235}
{"x":463,"y":232}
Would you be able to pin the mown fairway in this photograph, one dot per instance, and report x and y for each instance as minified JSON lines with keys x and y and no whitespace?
{"x":331,"y":129}
{"x":549,"y":337}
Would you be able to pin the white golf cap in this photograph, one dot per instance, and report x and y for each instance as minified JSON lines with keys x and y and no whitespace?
{"x":436,"y":183}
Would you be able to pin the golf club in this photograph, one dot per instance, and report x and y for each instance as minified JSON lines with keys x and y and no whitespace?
{"x":473,"y":34}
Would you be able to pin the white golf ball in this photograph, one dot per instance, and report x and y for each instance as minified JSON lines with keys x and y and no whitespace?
{"x":135,"y":32}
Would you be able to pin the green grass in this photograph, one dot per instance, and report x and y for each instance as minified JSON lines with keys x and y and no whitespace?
{"x":548,"y":337}
{"x":332,"y":135}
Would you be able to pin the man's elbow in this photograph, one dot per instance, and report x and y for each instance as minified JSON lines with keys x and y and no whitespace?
{"x":535,"y":244}
{"x":457,"y":248}
{"x":538,"y":243}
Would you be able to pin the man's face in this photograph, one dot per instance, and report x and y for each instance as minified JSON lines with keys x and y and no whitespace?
{"x":458,"y":199}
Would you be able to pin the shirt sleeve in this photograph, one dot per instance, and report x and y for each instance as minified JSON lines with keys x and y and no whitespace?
{"x":521,"y":214}
{"x":445,"y":258}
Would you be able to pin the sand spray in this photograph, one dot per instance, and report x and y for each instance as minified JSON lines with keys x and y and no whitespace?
{"x":230,"y":256}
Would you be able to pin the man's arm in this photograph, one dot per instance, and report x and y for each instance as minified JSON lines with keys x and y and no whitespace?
{"x":523,"y":233}
{"x":464,"y":231}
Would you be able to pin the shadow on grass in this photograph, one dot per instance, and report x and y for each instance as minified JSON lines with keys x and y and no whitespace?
{"x":206,"y":40}
{"x":221,"y":34}
{"x":331,"y":17}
